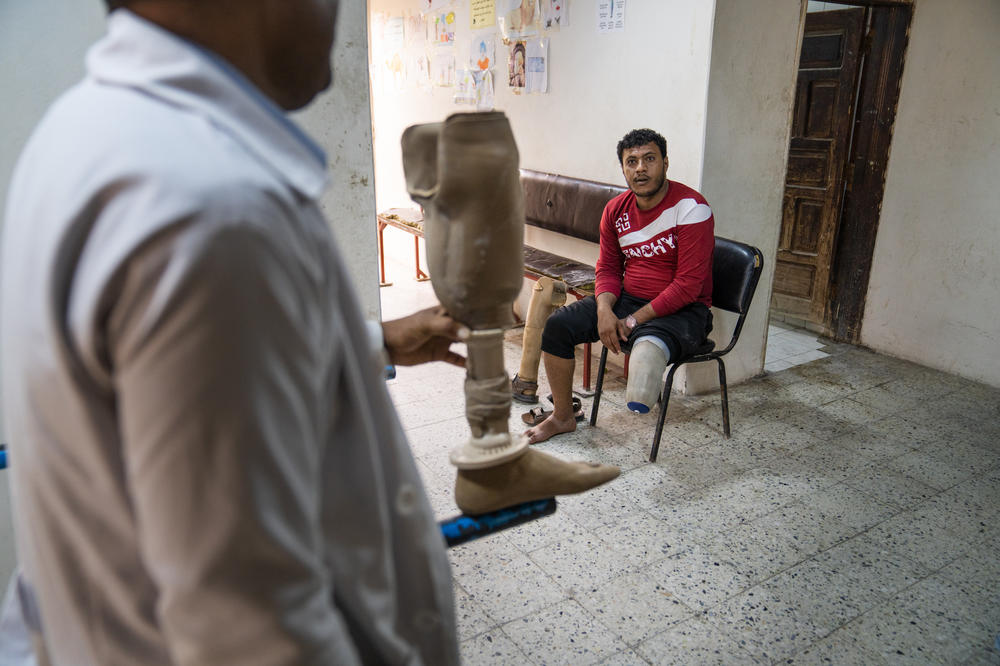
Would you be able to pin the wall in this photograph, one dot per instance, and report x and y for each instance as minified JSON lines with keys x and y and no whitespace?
{"x":340,"y":120}
{"x":934,"y":294}
{"x":751,"y":92}
{"x":654,"y":73}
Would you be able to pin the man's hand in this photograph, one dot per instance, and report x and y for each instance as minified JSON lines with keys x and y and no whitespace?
{"x":611,"y":329}
{"x":424,"y":336}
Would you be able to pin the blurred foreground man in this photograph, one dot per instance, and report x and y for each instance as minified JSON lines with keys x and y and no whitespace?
{"x":206,"y":466}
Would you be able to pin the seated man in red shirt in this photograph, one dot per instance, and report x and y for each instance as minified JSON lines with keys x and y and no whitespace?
{"x":654,"y":277}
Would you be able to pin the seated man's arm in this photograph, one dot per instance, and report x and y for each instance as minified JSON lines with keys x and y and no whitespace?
{"x":608,"y":283}
{"x":216,"y":375}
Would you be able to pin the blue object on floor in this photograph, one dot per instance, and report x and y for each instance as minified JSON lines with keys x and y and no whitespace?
{"x":996,"y":643}
{"x":3,"y":456}
{"x":464,"y":528}
{"x":390,"y":372}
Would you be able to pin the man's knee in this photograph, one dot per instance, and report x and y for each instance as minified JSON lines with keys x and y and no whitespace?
{"x":558,"y":334}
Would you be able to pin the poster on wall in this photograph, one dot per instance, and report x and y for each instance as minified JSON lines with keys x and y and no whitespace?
{"x":610,"y":15}
{"x":392,"y":33}
{"x":517,"y":19}
{"x":475,"y":88}
{"x":434,"y":5}
{"x":482,"y":51}
{"x":465,"y":90}
{"x":414,"y":30}
{"x":418,"y":71}
{"x":516,"y":57}
{"x":527,"y":66}
{"x":443,"y":69}
{"x":484,"y":91}
{"x":555,"y":14}
{"x":537,"y":66}
{"x":482,"y":14}
{"x":441,"y":28}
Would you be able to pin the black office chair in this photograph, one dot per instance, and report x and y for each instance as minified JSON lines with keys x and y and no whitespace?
{"x":736,"y":268}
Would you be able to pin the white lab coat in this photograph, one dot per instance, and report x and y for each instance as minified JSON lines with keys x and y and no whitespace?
{"x":206,"y":466}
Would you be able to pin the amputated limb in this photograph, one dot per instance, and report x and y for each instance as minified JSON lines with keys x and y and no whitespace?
{"x":464,"y":173}
{"x":546,"y":295}
{"x":645,"y":378}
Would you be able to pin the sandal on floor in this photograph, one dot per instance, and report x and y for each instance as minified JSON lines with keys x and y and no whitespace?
{"x":536,"y":415}
{"x":523,"y":390}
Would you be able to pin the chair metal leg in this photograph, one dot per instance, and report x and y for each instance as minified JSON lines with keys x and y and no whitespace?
{"x":725,"y":396}
{"x":600,"y":385}
{"x":664,"y":402}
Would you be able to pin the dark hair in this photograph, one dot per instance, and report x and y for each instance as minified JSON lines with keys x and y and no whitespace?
{"x":640,"y":137}
{"x":115,"y":4}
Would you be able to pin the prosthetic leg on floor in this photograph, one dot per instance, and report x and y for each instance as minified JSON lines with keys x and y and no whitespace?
{"x":546,"y":296}
{"x":463,"y":172}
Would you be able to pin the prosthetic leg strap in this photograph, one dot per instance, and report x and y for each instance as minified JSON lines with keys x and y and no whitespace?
{"x":462,"y":528}
{"x":487,"y":398}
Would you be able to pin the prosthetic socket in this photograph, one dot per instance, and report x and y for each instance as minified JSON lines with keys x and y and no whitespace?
{"x":464,"y":173}
{"x":645,"y":377}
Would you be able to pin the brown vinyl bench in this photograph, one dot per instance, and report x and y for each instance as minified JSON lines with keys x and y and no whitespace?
{"x":572,"y":207}
{"x":568,"y":206}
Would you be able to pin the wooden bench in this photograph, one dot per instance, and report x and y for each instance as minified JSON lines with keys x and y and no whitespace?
{"x":412,"y":222}
{"x":568,"y":206}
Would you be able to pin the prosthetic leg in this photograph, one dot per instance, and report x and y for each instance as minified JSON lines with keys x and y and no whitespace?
{"x":645,"y":377}
{"x":464,"y":174}
{"x":546,"y":296}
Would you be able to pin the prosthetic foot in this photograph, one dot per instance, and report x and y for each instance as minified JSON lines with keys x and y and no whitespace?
{"x":546,"y":296}
{"x":463,"y":172}
{"x":531,"y":476}
{"x":645,"y":377}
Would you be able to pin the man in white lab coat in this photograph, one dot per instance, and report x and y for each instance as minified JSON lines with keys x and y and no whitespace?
{"x":206,"y":466}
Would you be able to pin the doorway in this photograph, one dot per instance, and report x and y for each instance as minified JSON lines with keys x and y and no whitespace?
{"x":847,"y":89}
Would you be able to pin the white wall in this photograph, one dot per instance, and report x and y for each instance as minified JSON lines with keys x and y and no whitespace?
{"x":654,"y":73}
{"x":751,"y":93}
{"x":340,"y":120}
{"x":934,"y":293}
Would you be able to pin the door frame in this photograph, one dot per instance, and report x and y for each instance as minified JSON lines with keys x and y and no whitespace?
{"x":880,"y":74}
{"x":865,"y":165}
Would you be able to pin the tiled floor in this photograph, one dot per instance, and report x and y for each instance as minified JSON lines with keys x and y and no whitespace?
{"x":853,"y":518}
{"x":788,"y":347}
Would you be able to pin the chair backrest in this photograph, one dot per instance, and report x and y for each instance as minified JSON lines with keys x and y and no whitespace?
{"x":736,"y":269}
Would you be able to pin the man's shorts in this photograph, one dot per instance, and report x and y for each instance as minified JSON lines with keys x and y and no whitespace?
{"x":683,"y":331}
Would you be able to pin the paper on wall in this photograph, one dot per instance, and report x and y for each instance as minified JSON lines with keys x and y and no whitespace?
{"x":482,"y":50}
{"x":482,"y":14}
{"x":517,"y":19}
{"x":555,"y":14}
{"x":610,"y":15}
{"x":443,"y":69}
{"x":537,"y":66}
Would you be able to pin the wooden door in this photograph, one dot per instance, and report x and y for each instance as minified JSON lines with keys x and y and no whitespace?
{"x":814,"y":182}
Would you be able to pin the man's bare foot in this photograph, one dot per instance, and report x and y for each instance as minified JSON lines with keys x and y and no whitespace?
{"x":549,"y":428}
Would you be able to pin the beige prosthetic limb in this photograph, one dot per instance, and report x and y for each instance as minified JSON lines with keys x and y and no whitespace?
{"x":645,"y":377}
{"x":546,"y":295}
{"x":464,"y":174}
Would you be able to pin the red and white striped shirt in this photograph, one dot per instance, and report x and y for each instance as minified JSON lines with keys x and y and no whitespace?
{"x":663,"y":254}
